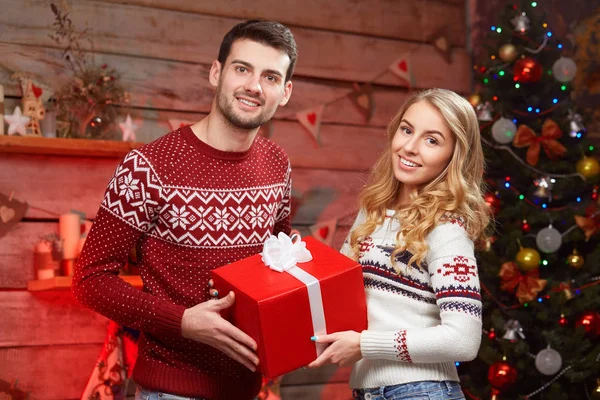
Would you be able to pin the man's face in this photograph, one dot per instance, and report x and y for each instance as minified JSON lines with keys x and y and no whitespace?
{"x":251,"y":84}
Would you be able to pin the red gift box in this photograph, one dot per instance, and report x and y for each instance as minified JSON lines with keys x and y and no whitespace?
{"x":274,"y":309}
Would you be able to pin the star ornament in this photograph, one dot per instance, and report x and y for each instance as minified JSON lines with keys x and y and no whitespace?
{"x":17,"y":122}
{"x":128,"y":128}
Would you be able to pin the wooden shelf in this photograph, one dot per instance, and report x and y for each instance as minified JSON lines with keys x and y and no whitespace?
{"x":64,"y":283}
{"x":65,"y":147}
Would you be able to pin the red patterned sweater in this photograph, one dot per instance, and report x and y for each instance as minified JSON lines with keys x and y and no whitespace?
{"x":188,"y":208}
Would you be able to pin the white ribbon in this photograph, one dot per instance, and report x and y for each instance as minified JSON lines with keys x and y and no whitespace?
{"x":281,"y":253}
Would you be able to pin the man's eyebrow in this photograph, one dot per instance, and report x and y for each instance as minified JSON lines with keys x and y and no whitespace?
{"x":247,"y":64}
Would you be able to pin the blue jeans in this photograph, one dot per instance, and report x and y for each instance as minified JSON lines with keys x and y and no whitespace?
{"x":427,"y":390}
{"x":144,"y":394}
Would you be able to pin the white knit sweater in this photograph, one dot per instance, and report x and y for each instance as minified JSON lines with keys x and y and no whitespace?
{"x":422,"y":321}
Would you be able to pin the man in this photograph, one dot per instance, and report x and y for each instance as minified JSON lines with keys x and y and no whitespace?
{"x":195,"y":199}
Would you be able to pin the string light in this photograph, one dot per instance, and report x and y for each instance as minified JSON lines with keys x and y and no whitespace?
{"x":501,"y":73}
{"x":499,"y":30}
{"x":493,"y":28}
{"x":591,"y":148}
{"x":544,"y":262}
{"x":517,"y":85}
{"x":555,"y":101}
{"x":549,"y":34}
{"x":563,"y":87}
{"x":560,"y":46}
{"x":534,"y":4}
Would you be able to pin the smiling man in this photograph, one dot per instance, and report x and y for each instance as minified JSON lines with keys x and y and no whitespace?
{"x":199,"y":197}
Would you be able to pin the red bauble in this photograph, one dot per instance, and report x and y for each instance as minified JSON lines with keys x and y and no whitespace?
{"x":527,"y":70}
{"x":502,"y":375}
{"x":590,"y":321}
{"x":492,"y":334}
{"x":525,"y":227}
{"x":563,"y":321}
{"x":493,"y":202}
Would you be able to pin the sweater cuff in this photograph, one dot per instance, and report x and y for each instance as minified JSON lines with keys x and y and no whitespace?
{"x":168,"y":320}
{"x":384,"y":345}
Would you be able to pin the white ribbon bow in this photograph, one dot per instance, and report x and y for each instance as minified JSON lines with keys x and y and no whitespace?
{"x":280,"y":253}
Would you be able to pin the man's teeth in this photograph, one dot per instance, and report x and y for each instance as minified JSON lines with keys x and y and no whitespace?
{"x":248,"y":103}
{"x":406,"y":162}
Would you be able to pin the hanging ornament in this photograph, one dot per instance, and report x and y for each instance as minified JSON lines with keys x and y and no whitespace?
{"x":475,"y":99}
{"x":590,"y":321}
{"x":492,"y":334}
{"x":525,"y":227}
{"x":565,"y":288}
{"x":564,"y":69}
{"x":576,"y":126}
{"x":514,"y":330}
{"x":484,"y":111}
{"x":521,"y":22}
{"x":493,"y":202}
{"x":589,"y":225}
{"x":575,"y":260}
{"x":526,"y":137}
{"x":588,"y":167}
{"x":503,"y":130}
{"x":543,"y":186}
{"x":486,"y":245}
{"x":508,"y":52}
{"x":528,"y":259}
{"x":548,"y":361}
{"x":501,"y":375}
{"x":595,"y":193}
{"x":527,"y":70}
{"x":548,"y":239}
{"x":563,"y":321}
{"x":527,"y":286}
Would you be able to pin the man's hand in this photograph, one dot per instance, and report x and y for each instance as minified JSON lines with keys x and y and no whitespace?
{"x":344,"y":349}
{"x":203,"y":323}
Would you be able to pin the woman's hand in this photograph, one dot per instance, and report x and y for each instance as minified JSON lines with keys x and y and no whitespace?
{"x":343,"y":349}
{"x":212,"y":292}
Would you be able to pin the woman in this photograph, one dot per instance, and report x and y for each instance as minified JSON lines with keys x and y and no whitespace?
{"x":418,"y":219}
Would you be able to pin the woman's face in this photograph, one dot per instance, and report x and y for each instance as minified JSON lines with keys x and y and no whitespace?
{"x":422,"y":146}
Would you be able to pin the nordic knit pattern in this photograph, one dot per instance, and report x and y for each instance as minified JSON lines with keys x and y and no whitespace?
{"x":425,"y":319}
{"x":188,"y":208}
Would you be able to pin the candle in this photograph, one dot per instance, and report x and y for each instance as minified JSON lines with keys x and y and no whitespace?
{"x":69,"y":228}
{"x":43,"y":262}
{"x":1,"y":110}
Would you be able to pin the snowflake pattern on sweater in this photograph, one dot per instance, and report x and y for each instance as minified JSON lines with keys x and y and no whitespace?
{"x":424,"y":318}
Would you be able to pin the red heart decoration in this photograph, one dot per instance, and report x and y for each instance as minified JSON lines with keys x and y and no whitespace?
{"x":37,"y":91}
{"x":323,"y":232}
{"x":312,"y":118}
{"x":402,"y":65}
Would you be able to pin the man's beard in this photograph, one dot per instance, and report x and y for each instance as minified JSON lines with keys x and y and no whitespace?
{"x":228,"y":112}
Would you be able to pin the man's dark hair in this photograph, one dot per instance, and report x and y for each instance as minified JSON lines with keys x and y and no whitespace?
{"x":269,"y":33}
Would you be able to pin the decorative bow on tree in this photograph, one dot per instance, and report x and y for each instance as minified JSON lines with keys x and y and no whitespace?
{"x":525,"y":136}
{"x":589,"y":225}
{"x":528,"y":285}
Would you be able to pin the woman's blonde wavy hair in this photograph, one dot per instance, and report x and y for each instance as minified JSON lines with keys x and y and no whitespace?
{"x":457,"y":190}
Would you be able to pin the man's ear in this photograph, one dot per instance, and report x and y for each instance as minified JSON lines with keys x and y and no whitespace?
{"x":287,"y":92}
{"x":215,"y":73}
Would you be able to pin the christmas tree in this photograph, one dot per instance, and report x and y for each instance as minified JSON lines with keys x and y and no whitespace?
{"x":540,"y":270}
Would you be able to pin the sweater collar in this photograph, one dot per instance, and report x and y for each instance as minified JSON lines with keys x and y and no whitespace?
{"x":210,"y":151}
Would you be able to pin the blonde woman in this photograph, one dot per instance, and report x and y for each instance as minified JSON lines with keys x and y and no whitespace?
{"x":419,"y":217}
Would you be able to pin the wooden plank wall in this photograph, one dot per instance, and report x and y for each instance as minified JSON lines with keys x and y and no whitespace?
{"x":163,"y":50}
